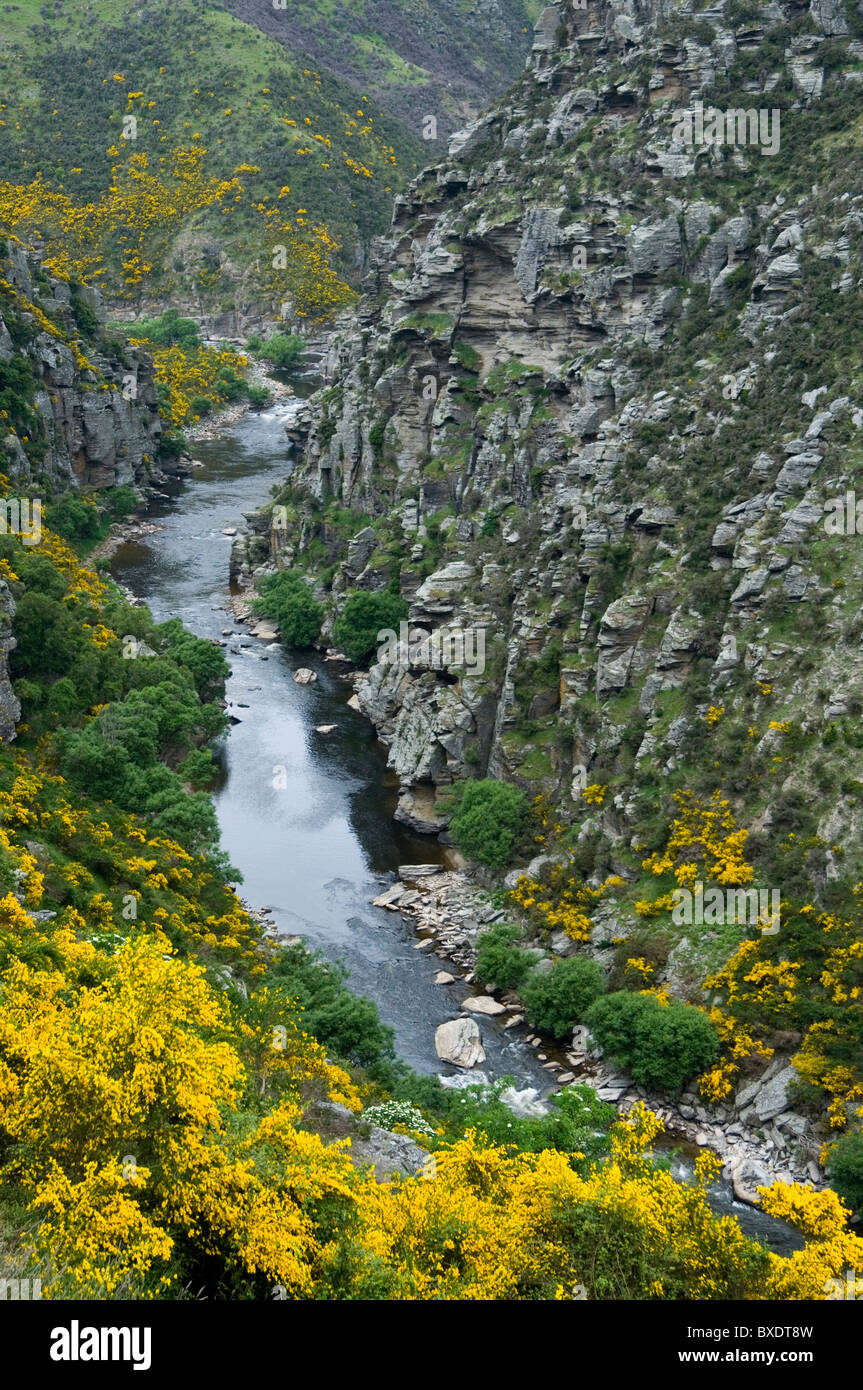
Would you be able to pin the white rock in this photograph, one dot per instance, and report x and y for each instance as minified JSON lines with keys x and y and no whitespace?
{"x":326,"y":728}
{"x":459,"y":1041}
{"x":443,"y":977}
{"x":483,"y":1004}
{"x":354,"y":703}
{"x":304,"y":676}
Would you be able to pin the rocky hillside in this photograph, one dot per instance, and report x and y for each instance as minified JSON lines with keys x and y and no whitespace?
{"x":601,"y":408}
{"x":78,"y":411}
{"x":415,"y":57}
{"x":81,"y":407}
{"x":596,"y":402}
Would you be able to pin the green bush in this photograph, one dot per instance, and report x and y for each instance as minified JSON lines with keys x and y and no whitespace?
{"x":489,"y":821}
{"x":363,"y":617}
{"x":559,"y":998}
{"x":284,"y":350}
{"x":348,"y":1026}
{"x":121,"y":501}
{"x":168,"y":330}
{"x":287,"y":599}
{"x":73,"y":518}
{"x":662,"y":1044}
{"x":500,"y":964}
{"x":845,"y":1168}
{"x":259,"y":396}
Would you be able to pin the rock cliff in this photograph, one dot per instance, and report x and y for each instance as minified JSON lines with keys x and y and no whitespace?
{"x":78,"y":409}
{"x":597,"y":404}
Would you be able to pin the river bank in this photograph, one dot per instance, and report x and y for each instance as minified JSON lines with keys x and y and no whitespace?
{"x":448,"y":912}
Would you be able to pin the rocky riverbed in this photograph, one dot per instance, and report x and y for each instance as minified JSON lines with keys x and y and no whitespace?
{"x":758,"y":1136}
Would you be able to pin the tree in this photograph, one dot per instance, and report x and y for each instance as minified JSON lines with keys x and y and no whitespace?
{"x":500,"y":963}
{"x":560,"y":998}
{"x":363,"y":617}
{"x":287,"y":599}
{"x":284,"y":350}
{"x":845,"y":1167}
{"x":489,"y":821}
{"x":661,"y":1043}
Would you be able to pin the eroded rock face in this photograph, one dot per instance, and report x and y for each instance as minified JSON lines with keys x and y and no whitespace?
{"x":623,"y":537}
{"x":10,"y":708}
{"x":93,"y":437}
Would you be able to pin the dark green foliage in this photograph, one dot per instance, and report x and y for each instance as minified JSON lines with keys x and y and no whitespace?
{"x":662,"y":1044}
{"x":73,"y":518}
{"x":560,"y":998}
{"x":363,"y":617}
{"x":489,"y":820}
{"x":347,"y":1025}
{"x":284,"y":350}
{"x":168,"y":330}
{"x":85,"y":319}
{"x":156,"y":710}
{"x":845,"y":1168}
{"x":500,"y":963}
{"x":17,"y":391}
{"x":121,"y":501}
{"x":287,"y":599}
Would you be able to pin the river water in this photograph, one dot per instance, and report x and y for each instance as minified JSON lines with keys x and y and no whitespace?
{"x":307,"y":817}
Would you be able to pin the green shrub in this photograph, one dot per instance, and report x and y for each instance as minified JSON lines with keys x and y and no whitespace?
{"x":500,"y":964}
{"x":559,"y":998}
{"x":662,"y":1044}
{"x":489,"y":821}
{"x":73,"y":518}
{"x":287,"y":599}
{"x":363,"y":617}
{"x":348,"y":1026}
{"x":121,"y":501}
{"x":284,"y":350}
{"x":845,"y":1168}
{"x":168,"y":330}
{"x":259,"y":396}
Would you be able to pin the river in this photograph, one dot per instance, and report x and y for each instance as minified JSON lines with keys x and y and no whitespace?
{"x":307,"y":818}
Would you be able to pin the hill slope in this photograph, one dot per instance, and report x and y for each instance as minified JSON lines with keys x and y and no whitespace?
{"x":603,"y":404}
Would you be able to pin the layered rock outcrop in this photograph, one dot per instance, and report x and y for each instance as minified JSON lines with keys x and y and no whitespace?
{"x":576,"y":413}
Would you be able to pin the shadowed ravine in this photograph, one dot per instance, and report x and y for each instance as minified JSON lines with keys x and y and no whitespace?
{"x":315,"y":849}
{"x":312,"y":850}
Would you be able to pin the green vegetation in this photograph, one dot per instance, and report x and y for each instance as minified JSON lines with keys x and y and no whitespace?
{"x":500,"y":962}
{"x":287,"y":599}
{"x":663,"y":1044}
{"x":489,"y":821}
{"x":363,"y":617}
{"x":283,"y":350}
{"x":845,"y":1168}
{"x":561,"y":997}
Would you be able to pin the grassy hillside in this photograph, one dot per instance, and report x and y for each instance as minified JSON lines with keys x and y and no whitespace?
{"x":332,"y":119}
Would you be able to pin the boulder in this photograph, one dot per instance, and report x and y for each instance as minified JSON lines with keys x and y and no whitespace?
{"x":304,"y":676}
{"x":746,"y":1177}
{"x":459,"y":1041}
{"x":483,"y":1004}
